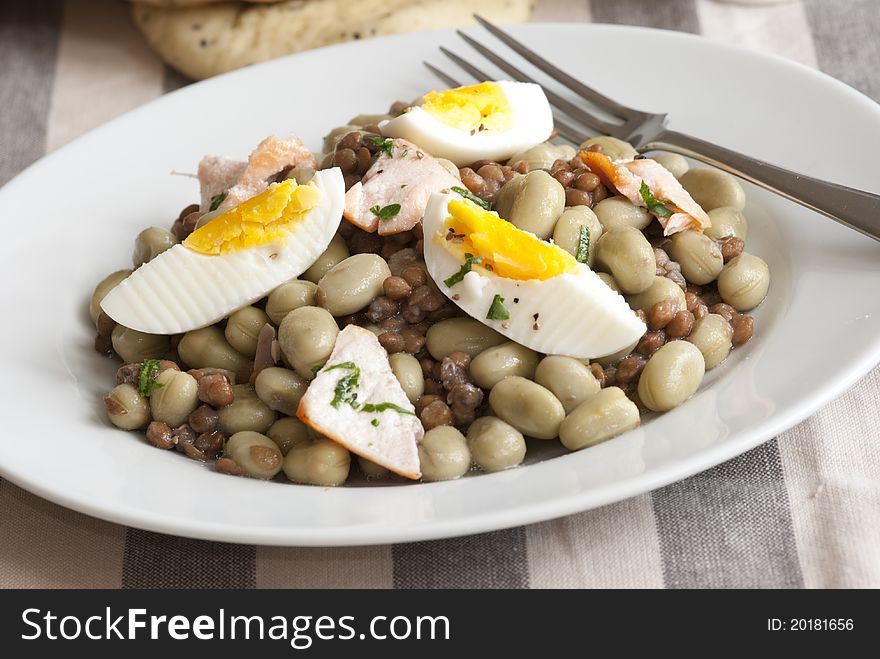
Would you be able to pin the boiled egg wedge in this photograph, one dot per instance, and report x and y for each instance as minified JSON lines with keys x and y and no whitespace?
{"x":488,"y":121}
{"x":232,"y":260}
{"x":529,"y":290}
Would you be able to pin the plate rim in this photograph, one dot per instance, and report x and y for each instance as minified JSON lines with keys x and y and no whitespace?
{"x":673,"y":471}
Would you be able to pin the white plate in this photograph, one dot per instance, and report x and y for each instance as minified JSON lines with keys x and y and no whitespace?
{"x":72,"y":217}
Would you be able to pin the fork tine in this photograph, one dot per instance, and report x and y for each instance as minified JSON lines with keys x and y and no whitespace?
{"x":447,"y":79}
{"x":556,"y":73}
{"x":566,"y":106}
{"x":564,"y":130}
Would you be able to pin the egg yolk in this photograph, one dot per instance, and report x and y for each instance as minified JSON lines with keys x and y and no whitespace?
{"x":471,"y":109}
{"x":505,"y":250}
{"x":262,"y":219}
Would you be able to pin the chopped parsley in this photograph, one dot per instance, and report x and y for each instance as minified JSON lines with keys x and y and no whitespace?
{"x":375,"y":423}
{"x":381,"y":407}
{"x":469,"y":261}
{"x":385,"y":144}
{"x":346,"y":384}
{"x":147,"y":378}
{"x":582,"y":255}
{"x":344,"y":392}
{"x":497,"y":311}
{"x":470,"y":196}
{"x":216,"y":200}
{"x":385,"y":212}
{"x":654,"y":205}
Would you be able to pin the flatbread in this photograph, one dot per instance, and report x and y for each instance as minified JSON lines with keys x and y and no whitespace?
{"x":195,"y":3}
{"x":203,"y":41}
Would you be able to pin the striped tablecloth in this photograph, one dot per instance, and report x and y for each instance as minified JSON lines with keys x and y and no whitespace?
{"x":803,"y":510}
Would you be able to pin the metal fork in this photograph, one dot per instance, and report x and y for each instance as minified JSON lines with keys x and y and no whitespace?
{"x":647,"y":132}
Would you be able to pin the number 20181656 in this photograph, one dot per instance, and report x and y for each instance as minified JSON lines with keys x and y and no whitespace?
{"x":810,"y":624}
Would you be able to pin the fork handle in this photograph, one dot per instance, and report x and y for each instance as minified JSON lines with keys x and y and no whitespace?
{"x":856,"y":209}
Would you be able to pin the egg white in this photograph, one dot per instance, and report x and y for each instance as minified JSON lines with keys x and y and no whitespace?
{"x":181,"y":290}
{"x":531,"y":124}
{"x":574,"y":314}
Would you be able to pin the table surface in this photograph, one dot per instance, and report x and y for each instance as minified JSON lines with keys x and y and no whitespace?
{"x":802,"y":510}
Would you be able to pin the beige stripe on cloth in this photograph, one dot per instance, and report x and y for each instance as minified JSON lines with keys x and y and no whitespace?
{"x":316,"y":567}
{"x":832,"y":469}
{"x":614,"y":546}
{"x":780,"y":29}
{"x":104,"y":68}
{"x":46,"y":546}
{"x":567,"y":11}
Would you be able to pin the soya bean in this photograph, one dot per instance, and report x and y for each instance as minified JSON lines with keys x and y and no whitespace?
{"x":528,"y":407}
{"x":570,"y":380}
{"x":126,"y":408}
{"x":532,"y":202}
{"x":542,"y":156}
{"x":612,"y":147}
{"x":150,"y":243}
{"x":600,"y":417}
{"x":203,"y":419}
{"x":712,"y":189}
{"x":628,"y":256}
{"x":243,"y":327}
{"x":408,"y":372}
{"x":370,"y":469}
{"x":681,"y":325}
{"x":699,"y":256}
{"x":743,"y":326}
{"x":352,"y":284}
{"x":744,"y":281}
{"x":256,"y":455}
{"x":676,"y":164}
{"x":436,"y":413}
{"x":495,"y":445}
{"x":444,"y":454}
{"x":159,"y":435}
{"x":306,"y":337}
{"x":207,"y":347}
{"x":215,"y":389}
{"x":336,"y":252}
{"x":661,"y":288}
{"x":321,"y":462}
{"x":288,"y":432}
{"x":280,"y":388}
{"x":460,"y":335}
{"x":333,"y":138}
{"x":175,"y":399}
{"x":609,"y":281}
{"x":134,"y":346}
{"x":713,"y":336}
{"x":567,"y":231}
{"x":618,"y":212}
{"x":104,"y":286}
{"x":671,"y":376}
{"x":494,"y":364}
{"x":289,"y":296}
{"x":246,"y":412}
{"x":613,"y":358}
{"x":727,"y":221}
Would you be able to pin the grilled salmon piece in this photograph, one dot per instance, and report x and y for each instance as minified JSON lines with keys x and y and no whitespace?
{"x":627,"y":176}
{"x":216,"y":175}
{"x":271,"y":157}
